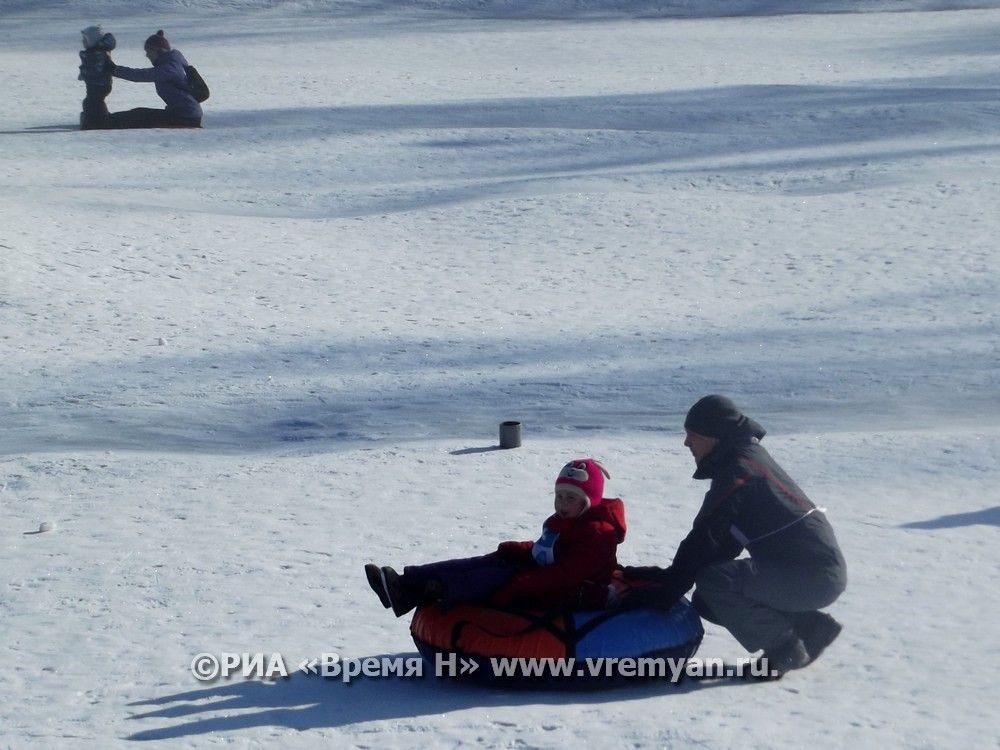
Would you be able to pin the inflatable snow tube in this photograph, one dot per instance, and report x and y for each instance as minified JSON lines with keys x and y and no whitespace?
{"x":581,"y":649}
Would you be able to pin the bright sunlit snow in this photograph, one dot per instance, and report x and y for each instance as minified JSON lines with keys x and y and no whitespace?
{"x":240,"y":362}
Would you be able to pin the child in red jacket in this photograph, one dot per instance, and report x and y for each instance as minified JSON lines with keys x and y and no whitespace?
{"x":569,"y":566}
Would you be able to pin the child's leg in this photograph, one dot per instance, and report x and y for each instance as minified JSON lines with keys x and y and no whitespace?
{"x":95,"y":111}
{"x":465,"y":580}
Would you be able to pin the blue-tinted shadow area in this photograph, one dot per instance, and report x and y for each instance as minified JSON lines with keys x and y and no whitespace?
{"x":986,"y":517}
{"x":303,"y":702}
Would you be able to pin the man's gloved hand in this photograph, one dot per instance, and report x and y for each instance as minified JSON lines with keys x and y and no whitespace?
{"x":644,"y":573}
{"x":653,"y":596}
{"x":665,"y":588}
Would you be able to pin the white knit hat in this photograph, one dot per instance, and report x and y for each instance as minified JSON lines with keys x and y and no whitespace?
{"x":91,"y":36}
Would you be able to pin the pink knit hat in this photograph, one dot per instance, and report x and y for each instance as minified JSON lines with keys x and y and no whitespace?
{"x":585,"y":477}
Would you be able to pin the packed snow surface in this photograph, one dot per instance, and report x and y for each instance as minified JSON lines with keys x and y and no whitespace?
{"x":241,"y":362}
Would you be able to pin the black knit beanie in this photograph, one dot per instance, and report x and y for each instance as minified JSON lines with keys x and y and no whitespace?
{"x":714,"y":416}
{"x":157,"y":41}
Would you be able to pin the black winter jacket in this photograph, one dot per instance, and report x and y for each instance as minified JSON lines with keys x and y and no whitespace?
{"x":94,"y":68}
{"x":753,"y":504}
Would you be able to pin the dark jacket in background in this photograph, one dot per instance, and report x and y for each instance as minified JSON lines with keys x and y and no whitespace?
{"x":171,"y":83}
{"x":94,"y":68}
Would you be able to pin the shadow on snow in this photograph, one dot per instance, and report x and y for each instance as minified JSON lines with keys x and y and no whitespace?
{"x":302,"y":702}
{"x":511,"y":147}
{"x":986,"y":517}
{"x":353,"y":394}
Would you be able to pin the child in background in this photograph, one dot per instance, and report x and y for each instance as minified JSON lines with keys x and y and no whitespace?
{"x":568,"y":567}
{"x":95,"y":71}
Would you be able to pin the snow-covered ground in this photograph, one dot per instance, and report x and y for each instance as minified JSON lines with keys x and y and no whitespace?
{"x":238,"y":363}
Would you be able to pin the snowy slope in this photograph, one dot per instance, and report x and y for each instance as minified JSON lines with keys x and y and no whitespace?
{"x":241,"y":362}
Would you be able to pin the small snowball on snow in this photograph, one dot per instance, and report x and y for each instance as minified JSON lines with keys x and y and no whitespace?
{"x":161,"y":341}
{"x":46,"y":526}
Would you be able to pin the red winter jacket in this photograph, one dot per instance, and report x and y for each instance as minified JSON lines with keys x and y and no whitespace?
{"x":584,"y":559}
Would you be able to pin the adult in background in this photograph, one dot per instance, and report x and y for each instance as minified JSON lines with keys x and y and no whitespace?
{"x":182,"y":110}
{"x":771,"y":599}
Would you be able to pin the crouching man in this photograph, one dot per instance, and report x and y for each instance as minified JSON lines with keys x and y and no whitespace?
{"x":771,"y":599}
